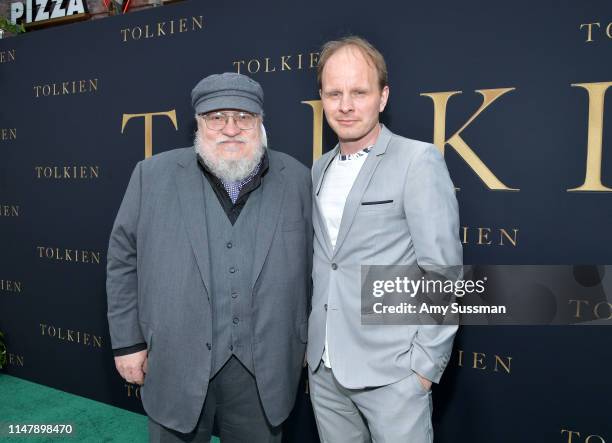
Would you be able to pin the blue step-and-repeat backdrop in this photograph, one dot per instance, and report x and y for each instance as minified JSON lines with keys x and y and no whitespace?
{"x":513,"y":93}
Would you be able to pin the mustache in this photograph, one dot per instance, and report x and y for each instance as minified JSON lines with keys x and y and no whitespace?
{"x":232,"y":140}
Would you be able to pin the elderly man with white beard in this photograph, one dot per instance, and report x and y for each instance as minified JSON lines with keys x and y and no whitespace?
{"x":208,"y":275}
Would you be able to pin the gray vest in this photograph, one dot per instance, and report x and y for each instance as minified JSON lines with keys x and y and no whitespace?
{"x":231,"y":250}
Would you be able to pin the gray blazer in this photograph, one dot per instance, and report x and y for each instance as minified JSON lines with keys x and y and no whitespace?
{"x":158,"y":282}
{"x":420,"y":226}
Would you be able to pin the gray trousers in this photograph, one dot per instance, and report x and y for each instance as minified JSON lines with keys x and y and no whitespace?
{"x":399,"y":412}
{"x":233,"y":405}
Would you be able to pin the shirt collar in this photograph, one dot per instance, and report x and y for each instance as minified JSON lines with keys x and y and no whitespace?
{"x":347,"y":157}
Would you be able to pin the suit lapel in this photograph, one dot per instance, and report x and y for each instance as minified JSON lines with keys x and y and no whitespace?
{"x":273,"y":189}
{"x":191,"y":187}
{"x":330,"y":157}
{"x":364,"y":177}
{"x":318,"y":214}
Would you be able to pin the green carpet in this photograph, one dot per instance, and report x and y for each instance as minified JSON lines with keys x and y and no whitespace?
{"x":25,"y":402}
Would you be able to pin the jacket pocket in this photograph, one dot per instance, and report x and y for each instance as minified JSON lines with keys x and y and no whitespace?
{"x":378,"y":206}
{"x":377,"y":202}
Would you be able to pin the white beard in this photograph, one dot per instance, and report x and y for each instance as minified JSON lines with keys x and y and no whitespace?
{"x":229,"y":170}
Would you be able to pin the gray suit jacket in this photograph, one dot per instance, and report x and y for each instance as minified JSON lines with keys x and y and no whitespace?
{"x":420,"y":226}
{"x":158,"y":283}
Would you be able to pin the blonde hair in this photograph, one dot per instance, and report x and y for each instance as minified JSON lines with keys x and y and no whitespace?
{"x":370,"y":53}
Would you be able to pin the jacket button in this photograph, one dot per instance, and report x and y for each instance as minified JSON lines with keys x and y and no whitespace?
{"x":325,"y":306}
{"x":209,"y":346}
{"x":236,"y":320}
{"x":334,"y":266}
{"x":232,"y":270}
{"x":234,"y":294}
{"x":229,"y":245}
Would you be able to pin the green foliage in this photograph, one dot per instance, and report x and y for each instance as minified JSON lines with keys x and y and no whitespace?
{"x":6,"y":24}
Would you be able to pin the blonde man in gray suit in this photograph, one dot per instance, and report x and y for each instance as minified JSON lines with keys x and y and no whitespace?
{"x":379,"y":199}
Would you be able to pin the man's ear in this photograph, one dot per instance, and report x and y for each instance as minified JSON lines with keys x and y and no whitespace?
{"x":384,"y":96}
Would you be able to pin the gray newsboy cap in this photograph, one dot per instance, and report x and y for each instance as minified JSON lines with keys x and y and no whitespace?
{"x":227,"y":91}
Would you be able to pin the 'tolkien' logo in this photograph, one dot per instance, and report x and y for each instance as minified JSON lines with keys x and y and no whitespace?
{"x":132,"y":390}
{"x":68,"y":255}
{"x":148,"y":126}
{"x":484,"y":362}
{"x":8,"y":56}
{"x":594,"y":149}
{"x":89,"y":86}
{"x":596,"y":29}
{"x":83,"y":338}
{"x":576,"y":437}
{"x":8,"y":134}
{"x":294,"y":62}
{"x":67,"y":172}
{"x":162,"y":29}
{"x":489,"y":236}
{"x":15,"y":360}
{"x":9,"y":211}
{"x":10,"y":286}
{"x":586,"y":311}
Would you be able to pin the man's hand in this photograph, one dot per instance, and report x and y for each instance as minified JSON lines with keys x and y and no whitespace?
{"x":132,"y":367}
{"x":424,"y":382}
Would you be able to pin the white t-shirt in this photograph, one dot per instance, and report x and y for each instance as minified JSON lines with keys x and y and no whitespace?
{"x":337,"y":183}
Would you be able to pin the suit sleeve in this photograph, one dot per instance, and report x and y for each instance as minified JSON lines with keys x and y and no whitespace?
{"x":129,"y":350}
{"x":433,"y":220}
{"x":121,"y":270}
{"x":308,"y":203}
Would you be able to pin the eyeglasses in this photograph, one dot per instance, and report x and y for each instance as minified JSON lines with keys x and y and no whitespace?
{"x":217,"y":120}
